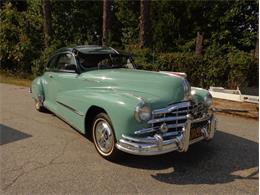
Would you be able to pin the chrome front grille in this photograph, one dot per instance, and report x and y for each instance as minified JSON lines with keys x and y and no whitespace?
{"x":174,"y":117}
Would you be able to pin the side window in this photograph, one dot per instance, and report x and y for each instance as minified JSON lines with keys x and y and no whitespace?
{"x":51,"y":64}
{"x":66,"y":62}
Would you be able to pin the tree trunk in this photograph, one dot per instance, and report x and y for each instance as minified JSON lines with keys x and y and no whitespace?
{"x":199,"y":43}
{"x":106,"y":22}
{"x":46,"y":7}
{"x":144,"y":23}
{"x":257,"y":45}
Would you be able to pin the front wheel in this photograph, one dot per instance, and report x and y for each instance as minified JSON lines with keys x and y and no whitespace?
{"x":104,"y":137}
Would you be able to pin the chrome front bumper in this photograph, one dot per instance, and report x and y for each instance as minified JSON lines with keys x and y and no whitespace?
{"x":158,"y":145}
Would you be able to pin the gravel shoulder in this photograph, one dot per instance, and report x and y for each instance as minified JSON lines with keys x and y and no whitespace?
{"x":248,"y":110}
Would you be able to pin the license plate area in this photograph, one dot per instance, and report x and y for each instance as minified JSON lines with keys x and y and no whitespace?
{"x":195,"y":133}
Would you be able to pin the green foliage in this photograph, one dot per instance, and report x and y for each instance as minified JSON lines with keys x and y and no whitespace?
{"x":143,"y":57}
{"x":40,"y":63}
{"x":213,"y":69}
{"x":127,"y":13}
{"x":77,"y":22}
{"x":183,"y":62}
{"x":239,"y":64}
{"x":20,"y":37}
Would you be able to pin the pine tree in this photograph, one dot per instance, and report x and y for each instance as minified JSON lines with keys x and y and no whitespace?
{"x":46,"y":7}
{"x":144,"y":23}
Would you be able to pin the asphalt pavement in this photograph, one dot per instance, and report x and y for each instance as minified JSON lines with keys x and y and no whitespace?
{"x":41,"y":154}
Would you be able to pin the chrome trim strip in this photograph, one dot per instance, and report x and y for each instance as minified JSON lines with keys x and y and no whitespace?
{"x":175,"y":125}
{"x":173,"y":133}
{"x":147,"y":130}
{"x":67,"y":71}
{"x":62,"y":118}
{"x":129,"y":143}
{"x":179,"y":112}
{"x":150,"y":130}
{"x":172,"y":107}
{"x":70,"y":108}
{"x":143,"y":140}
{"x":164,"y":119}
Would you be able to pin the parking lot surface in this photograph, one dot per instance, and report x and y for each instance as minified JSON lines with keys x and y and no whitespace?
{"x":40,"y":154}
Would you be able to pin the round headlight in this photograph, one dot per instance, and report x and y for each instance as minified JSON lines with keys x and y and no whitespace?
{"x":208,"y":100}
{"x":143,"y":112}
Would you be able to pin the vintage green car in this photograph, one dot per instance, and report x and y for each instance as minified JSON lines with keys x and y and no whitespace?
{"x":98,"y":90}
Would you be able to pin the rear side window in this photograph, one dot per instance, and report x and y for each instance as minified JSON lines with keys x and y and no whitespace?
{"x":51,"y":64}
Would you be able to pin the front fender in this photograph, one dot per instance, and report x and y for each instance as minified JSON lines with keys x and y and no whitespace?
{"x":198,"y":94}
{"x":119,"y":106}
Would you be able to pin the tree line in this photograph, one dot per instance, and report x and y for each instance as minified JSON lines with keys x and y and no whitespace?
{"x":214,"y":42}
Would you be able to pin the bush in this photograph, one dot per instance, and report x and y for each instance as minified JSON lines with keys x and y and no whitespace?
{"x":233,"y":69}
{"x":239,"y":63}
{"x":194,"y":66}
{"x":39,"y":64}
{"x":20,"y":40}
{"x":143,"y":57}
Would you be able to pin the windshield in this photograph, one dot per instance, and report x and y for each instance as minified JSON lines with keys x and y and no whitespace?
{"x":104,"y":61}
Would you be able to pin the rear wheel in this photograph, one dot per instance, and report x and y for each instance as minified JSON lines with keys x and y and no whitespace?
{"x":38,"y":106}
{"x":104,"y":137}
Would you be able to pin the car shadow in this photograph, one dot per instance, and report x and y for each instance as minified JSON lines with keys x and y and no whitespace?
{"x":8,"y":135}
{"x":226,"y":158}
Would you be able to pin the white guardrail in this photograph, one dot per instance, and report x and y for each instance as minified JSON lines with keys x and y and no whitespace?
{"x":233,"y":95}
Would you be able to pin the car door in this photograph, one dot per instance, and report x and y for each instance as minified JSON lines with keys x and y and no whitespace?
{"x":66,"y":75}
{"x":49,"y":87}
{"x":65,"y":80}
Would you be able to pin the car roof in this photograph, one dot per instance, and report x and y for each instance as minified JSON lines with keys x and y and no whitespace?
{"x":90,"y":49}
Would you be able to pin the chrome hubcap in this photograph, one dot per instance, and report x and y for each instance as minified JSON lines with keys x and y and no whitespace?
{"x":104,"y":136}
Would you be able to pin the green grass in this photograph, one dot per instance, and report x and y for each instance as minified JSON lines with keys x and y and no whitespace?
{"x":11,"y":79}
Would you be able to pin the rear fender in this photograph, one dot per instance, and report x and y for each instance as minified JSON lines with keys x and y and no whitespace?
{"x":37,"y":88}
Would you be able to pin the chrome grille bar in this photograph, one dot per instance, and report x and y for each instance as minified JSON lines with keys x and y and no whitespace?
{"x":165,"y":119}
{"x":150,"y":130}
{"x":172,"y":108}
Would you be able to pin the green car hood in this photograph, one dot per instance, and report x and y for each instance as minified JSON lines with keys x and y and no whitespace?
{"x":156,"y":88}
